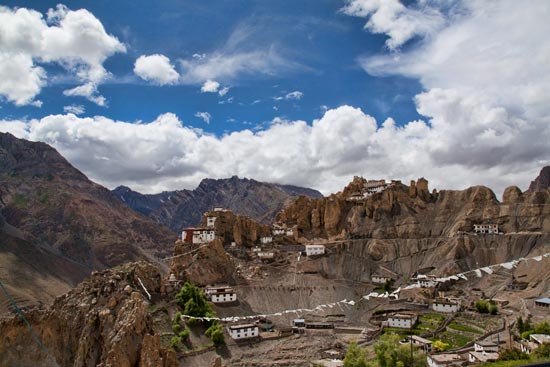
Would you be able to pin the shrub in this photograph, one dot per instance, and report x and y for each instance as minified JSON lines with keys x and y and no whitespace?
{"x":215,"y":332}
{"x":175,"y":341}
{"x":184,"y":335}
{"x":481,"y":306}
{"x":176,"y":328}
{"x":513,"y":354}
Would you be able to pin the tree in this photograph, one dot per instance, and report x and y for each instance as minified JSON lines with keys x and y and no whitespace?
{"x":481,"y":306}
{"x":520,"y":325}
{"x":543,"y":351}
{"x":493,"y":309}
{"x":513,"y":354}
{"x":542,"y":328}
{"x":441,"y":346}
{"x":390,"y":353}
{"x":355,"y":356}
{"x":215,"y":332}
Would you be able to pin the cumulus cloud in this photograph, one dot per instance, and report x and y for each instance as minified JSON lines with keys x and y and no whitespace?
{"x":76,"y":40}
{"x":222,"y":92}
{"x":205,"y":116}
{"x":210,"y":86}
{"x":156,"y":69}
{"x":392,"y":18}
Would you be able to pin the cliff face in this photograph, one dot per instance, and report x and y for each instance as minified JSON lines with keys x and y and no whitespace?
{"x":102,"y":322}
{"x":542,"y":182}
{"x":413,"y":212}
{"x":231,"y":227}
{"x":184,"y":208}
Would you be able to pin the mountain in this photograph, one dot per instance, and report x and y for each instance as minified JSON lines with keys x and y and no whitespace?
{"x":542,"y":182}
{"x":62,"y":225}
{"x":178,"y":209}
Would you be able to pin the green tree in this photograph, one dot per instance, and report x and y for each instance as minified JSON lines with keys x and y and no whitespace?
{"x":543,"y":351}
{"x":493,"y":309}
{"x":481,"y":306}
{"x":520,"y":325}
{"x":390,"y":353}
{"x":215,"y":332}
{"x":513,"y":354}
{"x":542,"y":328}
{"x":355,"y":356}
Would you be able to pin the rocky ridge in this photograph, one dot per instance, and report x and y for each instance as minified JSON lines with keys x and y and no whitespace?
{"x":542,"y":182}
{"x":184,"y":208}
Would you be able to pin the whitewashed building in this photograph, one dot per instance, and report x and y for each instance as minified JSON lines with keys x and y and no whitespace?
{"x":482,"y":357}
{"x":266,"y":239}
{"x":238,"y":332}
{"x":445,"y":305}
{"x":221,"y":294}
{"x":486,"y":228}
{"x":380,"y":279}
{"x":426,"y":281}
{"x":198,"y":235}
{"x":312,"y":250}
{"x":485,"y":346}
{"x":278,"y":231}
{"x":266,"y":255}
{"x":443,"y":360}
{"x":402,"y":321}
{"x":289,"y":232}
{"x":423,"y":343}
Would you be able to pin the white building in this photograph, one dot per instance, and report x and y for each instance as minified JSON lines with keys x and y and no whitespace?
{"x":540,"y":339}
{"x":315,"y":250}
{"x":380,"y":279}
{"x":425,"y":344}
{"x":482,"y":357}
{"x":266,"y":239}
{"x":266,"y":255}
{"x":221,"y":294}
{"x":238,"y":332}
{"x":402,"y":321}
{"x":210,"y":221}
{"x":289,"y":232}
{"x":486,"y":228}
{"x":198,"y":235}
{"x":442,"y":305}
{"x":426,"y":281}
{"x":278,"y":231}
{"x":443,"y":360}
{"x":485,"y":346}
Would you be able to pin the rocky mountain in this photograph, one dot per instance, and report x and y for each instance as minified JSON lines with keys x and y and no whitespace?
{"x":178,"y":209}
{"x":542,"y":182}
{"x":62,"y":225}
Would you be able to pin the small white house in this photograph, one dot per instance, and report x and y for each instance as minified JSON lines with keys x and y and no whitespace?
{"x":486,"y":228}
{"x":426,"y":281}
{"x":443,"y":360}
{"x":380,"y":279}
{"x":443,"y":305}
{"x":266,"y":255}
{"x":278,"y":231}
{"x":312,"y":250}
{"x":402,"y":321}
{"x":245,"y":331}
{"x":540,"y":339}
{"x":423,"y":343}
{"x":289,"y":232}
{"x":210,"y":221}
{"x":266,"y":239}
{"x":482,"y":357}
{"x":221,"y":294}
{"x":485,"y":346}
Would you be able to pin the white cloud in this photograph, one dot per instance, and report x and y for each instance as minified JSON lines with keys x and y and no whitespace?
{"x":210,"y":86}
{"x":222,"y":92}
{"x":76,"y":40}
{"x":204,"y":116}
{"x":392,"y":18}
{"x":75,"y":109}
{"x":296,"y":95}
{"x":89,"y":91}
{"x":156,"y":69}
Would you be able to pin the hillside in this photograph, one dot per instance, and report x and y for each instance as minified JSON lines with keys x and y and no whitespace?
{"x":52,"y":208}
{"x":177,"y":209}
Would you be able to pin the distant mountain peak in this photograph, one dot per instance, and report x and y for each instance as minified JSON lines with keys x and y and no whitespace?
{"x":542,"y":182}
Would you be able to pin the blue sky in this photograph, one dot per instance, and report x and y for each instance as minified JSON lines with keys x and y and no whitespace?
{"x":158,"y":96}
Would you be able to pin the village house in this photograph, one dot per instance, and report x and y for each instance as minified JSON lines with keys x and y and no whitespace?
{"x":266,"y":255}
{"x":445,"y":305}
{"x":264,"y":324}
{"x":420,"y":342}
{"x":299,"y":323}
{"x":278,"y":231}
{"x":486,"y":228}
{"x":221,"y":294}
{"x":238,"y":332}
{"x":542,"y":302}
{"x":482,"y":357}
{"x":312,"y":250}
{"x":402,"y":321}
{"x":266,"y":239}
{"x":444,"y":360}
{"x":289,"y":232}
{"x":380,"y":279}
{"x":540,"y":339}
{"x":426,"y":281}
{"x":210,"y":221}
{"x":485,"y":346}
{"x":198,"y":235}
{"x":517,"y":286}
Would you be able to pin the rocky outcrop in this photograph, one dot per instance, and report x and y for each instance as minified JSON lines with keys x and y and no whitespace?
{"x":240,"y":229}
{"x":184,"y":208}
{"x":413,"y":212}
{"x":542,"y":182}
{"x":202,"y":265}
{"x":102,"y":322}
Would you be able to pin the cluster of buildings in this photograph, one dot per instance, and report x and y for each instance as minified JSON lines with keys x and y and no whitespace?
{"x":370,"y":187}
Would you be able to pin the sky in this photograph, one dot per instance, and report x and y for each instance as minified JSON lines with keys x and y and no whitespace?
{"x":160,"y":95}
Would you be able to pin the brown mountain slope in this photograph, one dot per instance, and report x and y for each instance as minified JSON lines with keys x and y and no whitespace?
{"x":54,"y":207}
{"x":542,"y":182}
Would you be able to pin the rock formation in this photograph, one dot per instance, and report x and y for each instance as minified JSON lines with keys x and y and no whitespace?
{"x":184,"y":208}
{"x":542,"y":182}
{"x":102,"y":322}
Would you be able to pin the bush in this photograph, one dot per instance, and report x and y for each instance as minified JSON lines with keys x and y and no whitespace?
{"x":177,"y":318}
{"x":441,"y":346}
{"x":513,"y":354}
{"x":493,"y":309}
{"x":176,"y":328}
{"x":215,"y":332}
{"x":543,"y":351}
{"x":184,"y":335}
{"x":175,"y":341}
{"x":481,"y":306}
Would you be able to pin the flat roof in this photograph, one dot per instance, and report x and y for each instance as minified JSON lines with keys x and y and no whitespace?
{"x":445,"y":357}
{"x":485,"y":356}
{"x":487,"y":343}
{"x":402,"y":316}
{"x":541,"y":338}
{"x":543,"y":300}
{"x":244,"y":326}
{"x":299,"y":320}
{"x":421,"y":339}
